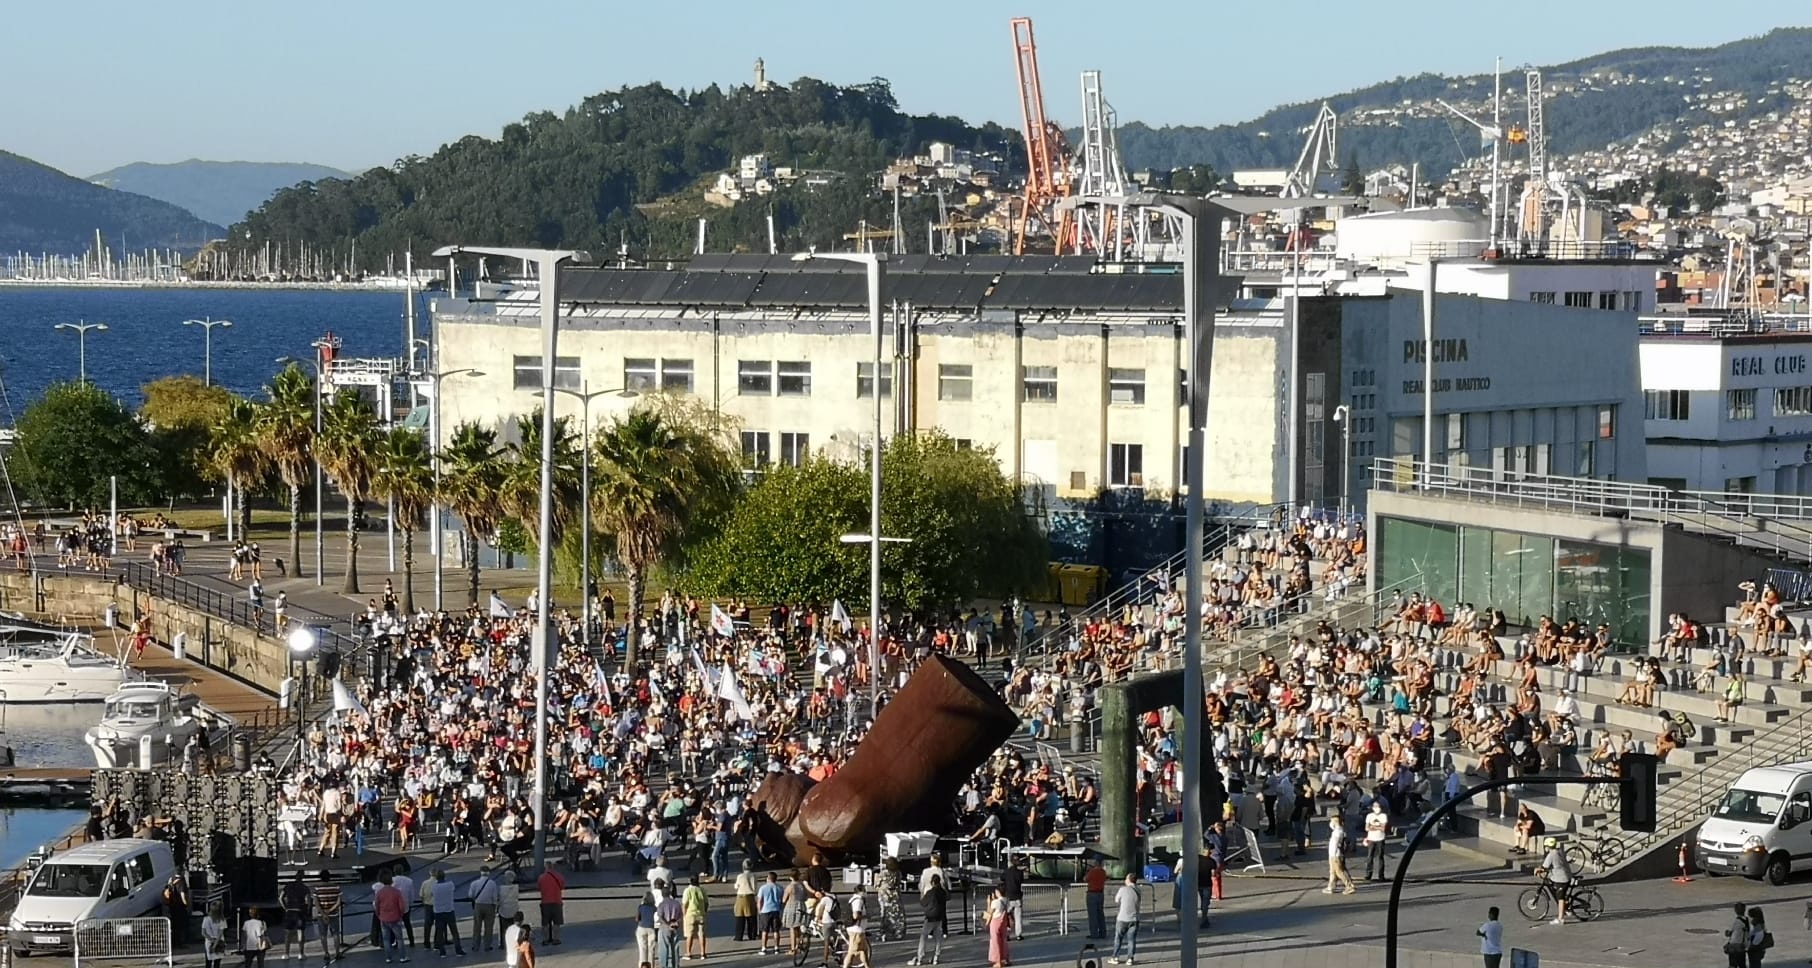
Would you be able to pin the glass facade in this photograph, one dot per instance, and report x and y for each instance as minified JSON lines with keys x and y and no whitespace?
{"x":1526,"y":575}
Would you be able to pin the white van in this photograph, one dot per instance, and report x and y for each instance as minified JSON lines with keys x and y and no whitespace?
{"x":103,"y":879}
{"x":1763,"y":826}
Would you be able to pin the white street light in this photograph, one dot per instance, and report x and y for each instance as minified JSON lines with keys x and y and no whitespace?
{"x":1343,"y":415}
{"x":864,"y":539}
{"x":585,"y":395}
{"x":324,"y":343}
{"x":302,"y":641}
{"x":81,"y":331}
{"x":547,"y":269}
{"x":434,"y":529}
{"x":876,"y":265}
{"x":207,"y":325}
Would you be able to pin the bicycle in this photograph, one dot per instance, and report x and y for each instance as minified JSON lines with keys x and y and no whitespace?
{"x":814,"y":941}
{"x":1537,"y":903}
{"x":1601,"y":853}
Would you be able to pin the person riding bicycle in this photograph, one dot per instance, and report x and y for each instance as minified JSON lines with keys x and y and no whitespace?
{"x":1559,"y":874}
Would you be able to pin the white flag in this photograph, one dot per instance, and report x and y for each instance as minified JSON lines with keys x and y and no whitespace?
{"x":704,"y":671}
{"x":840,"y":615}
{"x":729,"y":690}
{"x":499,"y":608}
{"x":344,"y":701}
{"x":721,"y":623}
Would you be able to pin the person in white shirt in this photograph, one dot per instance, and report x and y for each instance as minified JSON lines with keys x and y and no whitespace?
{"x":660,"y":873}
{"x":1377,"y":829}
{"x":1127,"y":905}
{"x":1337,"y":857}
{"x":1491,"y":940}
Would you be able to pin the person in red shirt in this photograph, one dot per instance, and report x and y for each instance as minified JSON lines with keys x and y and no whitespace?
{"x":553,"y":903}
{"x":1096,"y":881}
{"x":391,"y":907}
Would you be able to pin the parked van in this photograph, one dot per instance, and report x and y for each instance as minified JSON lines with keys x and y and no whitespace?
{"x":102,"y":879}
{"x":1763,"y":826}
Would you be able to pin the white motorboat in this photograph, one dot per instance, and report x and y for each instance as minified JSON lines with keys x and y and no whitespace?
{"x":146,"y":724}
{"x":41,"y":663}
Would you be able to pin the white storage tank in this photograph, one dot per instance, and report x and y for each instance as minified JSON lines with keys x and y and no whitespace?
{"x":1393,"y":239}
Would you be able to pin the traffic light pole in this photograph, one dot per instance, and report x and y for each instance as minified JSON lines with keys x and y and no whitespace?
{"x":1638,"y":811}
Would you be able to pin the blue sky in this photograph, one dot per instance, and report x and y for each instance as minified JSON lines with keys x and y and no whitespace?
{"x":356,"y":83}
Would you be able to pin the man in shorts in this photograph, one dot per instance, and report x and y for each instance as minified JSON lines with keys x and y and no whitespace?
{"x":553,"y":903}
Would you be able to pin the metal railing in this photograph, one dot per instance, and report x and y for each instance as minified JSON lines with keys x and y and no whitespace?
{"x":1781,"y":523}
{"x":337,"y":631}
{"x":1733,"y":322}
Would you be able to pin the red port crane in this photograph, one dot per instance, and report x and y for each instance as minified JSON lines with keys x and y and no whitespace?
{"x":1047,"y":154}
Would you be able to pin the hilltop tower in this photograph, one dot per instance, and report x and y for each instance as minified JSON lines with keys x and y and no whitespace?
{"x":761,"y":76}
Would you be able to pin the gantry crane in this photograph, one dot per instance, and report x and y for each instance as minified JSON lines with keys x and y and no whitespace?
{"x":1047,"y":153}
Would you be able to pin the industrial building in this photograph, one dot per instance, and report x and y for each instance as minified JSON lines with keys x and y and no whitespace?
{"x":1073,"y":375}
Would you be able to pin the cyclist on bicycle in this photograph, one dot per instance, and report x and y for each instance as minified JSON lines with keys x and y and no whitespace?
{"x":1559,"y":874}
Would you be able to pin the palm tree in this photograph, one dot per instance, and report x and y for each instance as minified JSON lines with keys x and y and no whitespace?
{"x":652,"y":475}
{"x":286,"y":434}
{"x":471,"y":483}
{"x":236,"y":455}
{"x":403,"y":472}
{"x":521,"y":488}
{"x":349,"y":433}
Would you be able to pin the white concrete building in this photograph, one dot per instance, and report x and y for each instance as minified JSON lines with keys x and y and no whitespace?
{"x":1727,"y":402}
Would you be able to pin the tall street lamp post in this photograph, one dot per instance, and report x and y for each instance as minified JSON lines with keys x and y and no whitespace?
{"x":875,"y":263}
{"x":585,"y":395}
{"x":547,"y":270}
{"x":302,"y":641}
{"x":81,"y":330}
{"x":321,"y":346}
{"x":207,"y":325}
{"x":433,"y":379}
{"x":1343,"y":415}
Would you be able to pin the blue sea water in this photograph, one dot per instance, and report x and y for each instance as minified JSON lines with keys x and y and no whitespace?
{"x":25,"y":829}
{"x":146,"y":338}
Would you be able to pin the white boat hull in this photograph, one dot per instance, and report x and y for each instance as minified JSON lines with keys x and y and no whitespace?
{"x":46,"y":682}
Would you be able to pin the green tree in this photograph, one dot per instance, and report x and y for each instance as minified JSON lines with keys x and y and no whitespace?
{"x":1352,"y":181}
{"x":403,"y":472}
{"x":180,"y":412}
{"x":286,"y":432}
{"x":471,"y":484}
{"x":655,"y":475}
{"x":521,"y":488}
{"x":72,"y":440}
{"x":349,"y":433}
{"x":236,"y":455}
{"x":968,"y":532}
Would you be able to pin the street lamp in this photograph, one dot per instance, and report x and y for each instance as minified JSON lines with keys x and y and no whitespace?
{"x":547,"y":269}
{"x":434,"y":547}
{"x":324,"y":343}
{"x":81,"y":331}
{"x":207,"y":344}
{"x":302,"y":641}
{"x":876,"y":265}
{"x":1343,"y":415}
{"x":585,"y":395}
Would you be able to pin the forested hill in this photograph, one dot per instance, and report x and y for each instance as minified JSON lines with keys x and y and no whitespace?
{"x":45,"y":210}
{"x":1591,"y":103}
{"x":576,"y":179}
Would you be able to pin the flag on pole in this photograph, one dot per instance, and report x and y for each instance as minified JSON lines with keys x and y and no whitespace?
{"x":729,"y":690}
{"x":704,"y":671}
{"x":499,"y":608}
{"x":721,"y":623}
{"x":840,"y":615}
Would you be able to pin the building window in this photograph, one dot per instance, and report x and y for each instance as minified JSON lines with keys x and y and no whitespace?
{"x":795,"y":378}
{"x":676,"y":376}
{"x":527,"y":372}
{"x":1456,"y":431}
{"x":1607,"y":421}
{"x":865,"y":380}
{"x":640,"y":375}
{"x":1588,"y":453}
{"x":1126,"y":386}
{"x":755,"y":452}
{"x":1793,"y":402}
{"x":1607,"y":300}
{"x":964,"y":443}
{"x":1039,"y":384}
{"x":755,"y":378}
{"x":1739,"y":485}
{"x":794,"y":448}
{"x":1545,"y":298}
{"x":1126,"y":465}
{"x":1632,"y":300}
{"x":955,"y":381}
{"x":1579,"y":300}
{"x":1740,"y":405}
{"x":1666,"y":404}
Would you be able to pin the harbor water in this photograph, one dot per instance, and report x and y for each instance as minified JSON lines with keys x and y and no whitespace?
{"x":146,"y":338}
{"x":25,"y":829}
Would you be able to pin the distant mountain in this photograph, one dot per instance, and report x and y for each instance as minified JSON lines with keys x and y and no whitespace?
{"x":219,"y":191}
{"x":44,"y":210}
{"x":1589,"y":104}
